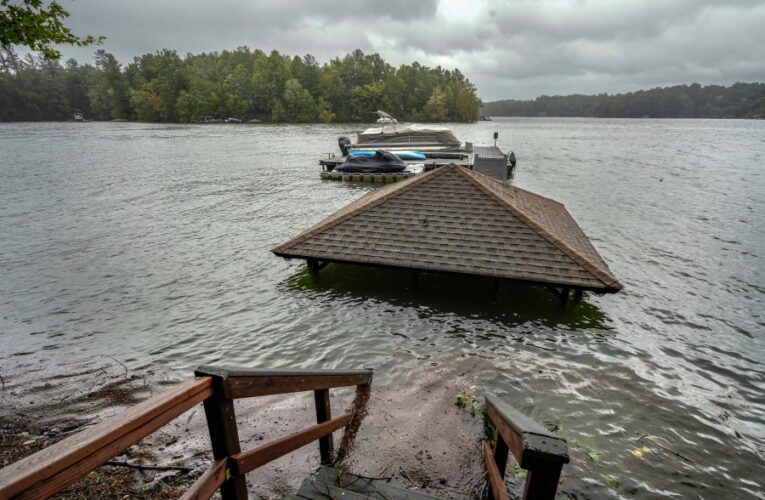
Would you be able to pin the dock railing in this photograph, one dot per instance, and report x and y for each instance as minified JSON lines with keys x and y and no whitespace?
{"x":536,"y":449}
{"x":54,"y":468}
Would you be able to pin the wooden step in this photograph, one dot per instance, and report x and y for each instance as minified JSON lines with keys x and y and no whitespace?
{"x":328,"y":484}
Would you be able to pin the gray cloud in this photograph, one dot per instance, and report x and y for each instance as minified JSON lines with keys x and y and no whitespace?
{"x":509,"y":49}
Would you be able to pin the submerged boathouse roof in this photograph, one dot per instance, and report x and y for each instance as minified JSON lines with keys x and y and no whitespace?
{"x":455,"y":220}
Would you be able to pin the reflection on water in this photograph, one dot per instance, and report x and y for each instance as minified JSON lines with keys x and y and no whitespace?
{"x":465,"y":296}
{"x":151,"y":243}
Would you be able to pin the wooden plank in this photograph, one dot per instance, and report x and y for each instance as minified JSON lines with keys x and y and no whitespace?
{"x":224,"y":435}
{"x":204,"y":487}
{"x":251,"y":460}
{"x":513,"y":440}
{"x":498,"y":490}
{"x":107,"y":450}
{"x":324,"y":413}
{"x":112,"y":435}
{"x":245,"y":387}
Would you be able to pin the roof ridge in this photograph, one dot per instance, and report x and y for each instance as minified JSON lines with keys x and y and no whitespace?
{"x":396,"y":190}
{"x":606,"y":278}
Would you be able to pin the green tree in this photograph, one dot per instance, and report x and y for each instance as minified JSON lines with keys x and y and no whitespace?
{"x":467,"y":105}
{"x":299,"y":105}
{"x":108,"y":91}
{"x":165,"y":87}
{"x":39,"y":26}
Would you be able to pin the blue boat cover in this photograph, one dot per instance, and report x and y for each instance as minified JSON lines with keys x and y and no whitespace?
{"x":404,"y":155}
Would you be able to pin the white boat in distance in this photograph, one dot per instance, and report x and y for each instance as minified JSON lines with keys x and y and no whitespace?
{"x":392,"y":135}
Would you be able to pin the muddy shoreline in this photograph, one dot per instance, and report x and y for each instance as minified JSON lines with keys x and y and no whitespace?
{"x":414,"y":434}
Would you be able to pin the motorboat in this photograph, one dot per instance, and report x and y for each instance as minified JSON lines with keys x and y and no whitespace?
{"x":392,"y":135}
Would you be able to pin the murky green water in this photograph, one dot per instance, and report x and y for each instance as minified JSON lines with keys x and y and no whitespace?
{"x":151,"y":243}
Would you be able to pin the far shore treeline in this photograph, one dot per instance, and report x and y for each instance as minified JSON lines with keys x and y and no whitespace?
{"x":243,"y":83}
{"x":741,"y":100}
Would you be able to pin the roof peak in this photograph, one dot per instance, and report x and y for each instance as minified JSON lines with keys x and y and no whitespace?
{"x":481,"y":181}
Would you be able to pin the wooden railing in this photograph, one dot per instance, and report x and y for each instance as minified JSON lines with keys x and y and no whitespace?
{"x":537,"y":450}
{"x":54,"y":468}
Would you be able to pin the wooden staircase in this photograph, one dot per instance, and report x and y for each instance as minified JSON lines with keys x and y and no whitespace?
{"x":541,"y":453}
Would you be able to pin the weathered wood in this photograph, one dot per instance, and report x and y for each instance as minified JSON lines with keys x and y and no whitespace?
{"x":497,"y":490}
{"x":224,"y":435}
{"x":536,"y":449}
{"x":245,"y":387}
{"x":102,"y":454}
{"x":512,"y":440}
{"x":530,"y":443}
{"x":324,"y":413}
{"x":204,"y":487}
{"x":61,"y":464}
{"x":242,"y":463}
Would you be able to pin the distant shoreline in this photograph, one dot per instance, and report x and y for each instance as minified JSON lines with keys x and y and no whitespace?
{"x":740,"y":100}
{"x":726,"y":118}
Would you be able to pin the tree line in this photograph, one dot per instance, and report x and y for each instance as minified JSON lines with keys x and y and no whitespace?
{"x":741,"y":100}
{"x":242,"y":83}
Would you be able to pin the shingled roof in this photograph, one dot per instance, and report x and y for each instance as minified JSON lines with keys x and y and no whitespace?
{"x":455,"y":220}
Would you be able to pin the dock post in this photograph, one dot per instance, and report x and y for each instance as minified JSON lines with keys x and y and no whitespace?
{"x":578,"y":295}
{"x":224,"y":435}
{"x":313,"y":267}
{"x":495,"y":290}
{"x":324,"y":413}
{"x":415,"y":280}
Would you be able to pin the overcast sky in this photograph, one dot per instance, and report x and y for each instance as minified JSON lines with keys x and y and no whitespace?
{"x":509,"y":49}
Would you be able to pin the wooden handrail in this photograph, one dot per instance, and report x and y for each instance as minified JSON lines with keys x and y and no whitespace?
{"x":206,"y":484}
{"x":61,"y":464}
{"x":536,"y":449}
{"x":234,"y":383}
{"x":52,"y":469}
{"x":251,"y":460}
{"x":250,"y":383}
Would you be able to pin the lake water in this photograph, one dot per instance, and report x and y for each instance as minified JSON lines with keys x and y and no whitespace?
{"x":151,"y":243}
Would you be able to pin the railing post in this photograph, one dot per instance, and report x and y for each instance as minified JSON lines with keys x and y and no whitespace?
{"x":224,"y":435}
{"x":537,"y":450}
{"x":542,"y":483}
{"x":324,"y":413}
{"x":500,"y":455}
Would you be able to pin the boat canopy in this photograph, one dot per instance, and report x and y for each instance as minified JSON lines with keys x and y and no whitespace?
{"x":408,"y":134}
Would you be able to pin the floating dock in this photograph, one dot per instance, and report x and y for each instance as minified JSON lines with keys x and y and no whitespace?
{"x":374,"y":178}
{"x":489,"y":160}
